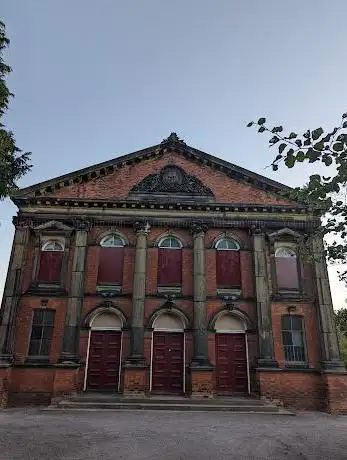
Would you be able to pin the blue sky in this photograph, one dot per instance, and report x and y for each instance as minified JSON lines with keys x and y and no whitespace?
{"x":94,"y":80}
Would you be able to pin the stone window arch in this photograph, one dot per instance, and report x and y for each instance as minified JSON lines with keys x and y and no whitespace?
{"x":170,"y":242}
{"x":227,"y":244}
{"x":53,"y":245}
{"x":113,"y":240}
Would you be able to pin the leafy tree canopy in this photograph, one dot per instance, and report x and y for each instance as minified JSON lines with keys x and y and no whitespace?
{"x":13,"y":162}
{"x":325,"y":194}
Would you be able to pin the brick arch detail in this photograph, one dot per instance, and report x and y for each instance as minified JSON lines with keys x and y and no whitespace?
{"x":168,"y":309}
{"x":227,"y":310}
{"x":105,"y":307}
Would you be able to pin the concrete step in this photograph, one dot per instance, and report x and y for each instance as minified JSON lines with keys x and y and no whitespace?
{"x":168,"y":401}
{"x":249,"y":406}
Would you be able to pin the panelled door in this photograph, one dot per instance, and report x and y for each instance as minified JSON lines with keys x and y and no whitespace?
{"x":231,"y":363}
{"x":104,"y":360}
{"x":167,"y":365}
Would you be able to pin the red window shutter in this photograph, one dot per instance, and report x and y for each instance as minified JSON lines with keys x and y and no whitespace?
{"x":111,"y":265}
{"x":169,"y":267}
{"x":287,"y":273}
{"x":50,"y":266}
{"x":228,"y":269}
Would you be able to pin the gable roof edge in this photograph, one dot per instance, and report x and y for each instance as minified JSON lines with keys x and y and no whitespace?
{"x":107,"y":167}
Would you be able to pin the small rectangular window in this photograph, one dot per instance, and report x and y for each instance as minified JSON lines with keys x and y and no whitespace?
{"x":293,"y":339}
{"x":41,"y":333}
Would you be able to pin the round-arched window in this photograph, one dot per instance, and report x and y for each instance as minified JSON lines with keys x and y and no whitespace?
{"x":112,"y":241}
{"x":170,"y":242}
{"x":53,"y":245}
{"x":227,"y":244}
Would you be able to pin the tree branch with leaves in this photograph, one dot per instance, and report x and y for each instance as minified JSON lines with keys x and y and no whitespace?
{"x":324,"y":194}
{"x":13,"y":162}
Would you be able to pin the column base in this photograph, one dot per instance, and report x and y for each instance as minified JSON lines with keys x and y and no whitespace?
{"x":333,"y":365}
{"x":5,"y":360}
{"x":69,"y":359}
{"x":201,"y":362}
{"x":267,"y":363}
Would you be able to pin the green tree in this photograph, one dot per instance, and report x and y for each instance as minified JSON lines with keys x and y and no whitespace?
{"x":325,"y":194}
{"x":341,"y":325}
{"x":13,"y":162}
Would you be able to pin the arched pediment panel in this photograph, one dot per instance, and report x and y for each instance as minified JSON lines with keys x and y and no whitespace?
{"x":106,"y":314}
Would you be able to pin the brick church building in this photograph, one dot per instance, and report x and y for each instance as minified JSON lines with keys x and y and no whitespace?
{"x":167,"y":271}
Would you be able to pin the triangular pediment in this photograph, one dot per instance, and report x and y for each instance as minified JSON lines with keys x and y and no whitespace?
{"x":285,"y":233}
{"x":170,"y":168}
{"x":53,"y":225}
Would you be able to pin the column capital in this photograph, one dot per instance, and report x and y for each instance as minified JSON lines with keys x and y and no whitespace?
{"x":198,"y":228}
{"x":257,"y":230}
{"x":82,"y":225}
{"x":141,"y":226}
{"x":21,"y":222}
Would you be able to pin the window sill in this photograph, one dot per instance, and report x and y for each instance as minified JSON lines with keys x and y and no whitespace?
{"x":37,"y":360}
{"x":222,"y":291}
{"x":46,"y":288}
{"x":108,"y":287}
{"x":289,"y":296}
{"x":296,"y":366}
{"x":174,"y":290}
{"x":108,"y":290}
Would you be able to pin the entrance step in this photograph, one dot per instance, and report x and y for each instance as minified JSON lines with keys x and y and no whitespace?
{"x":117,"y":402}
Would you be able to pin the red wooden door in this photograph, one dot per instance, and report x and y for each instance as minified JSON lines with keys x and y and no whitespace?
{"x":104,"y":360}
{"x":167,"y":366}
{"x":231,"y":363}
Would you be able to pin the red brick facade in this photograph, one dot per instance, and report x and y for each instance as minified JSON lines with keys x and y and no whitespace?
{"x":239,"y":208}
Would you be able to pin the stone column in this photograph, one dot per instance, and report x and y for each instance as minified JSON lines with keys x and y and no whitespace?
{"x":139,"y":293}
{"x":329,"y":342}
{"x":200,"y":345}
{"x":12,"y":289}
{"x":266,"y":350}
{"x":202,"y":372}
{"x":70,"y":348}
{"x":135,"y":372}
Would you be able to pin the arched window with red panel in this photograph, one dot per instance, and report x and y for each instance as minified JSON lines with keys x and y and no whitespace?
{"x":111,"y":258}
{"x":51,"y":260}
{"x":286,"y":269}
{"x":170,"y":262}
{"x":228,"y":270}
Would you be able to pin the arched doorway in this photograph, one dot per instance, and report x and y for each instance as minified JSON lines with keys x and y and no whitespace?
{"x":104,"y":352}
{"x":168,"y":355}
{"x":232,"y":373}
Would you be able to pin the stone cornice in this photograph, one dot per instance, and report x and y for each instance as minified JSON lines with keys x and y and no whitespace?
{"x":86,"y":204}
{"x":245,"y":221}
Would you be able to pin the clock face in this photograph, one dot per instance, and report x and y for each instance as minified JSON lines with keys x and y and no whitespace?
{"x":172,"y":177}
